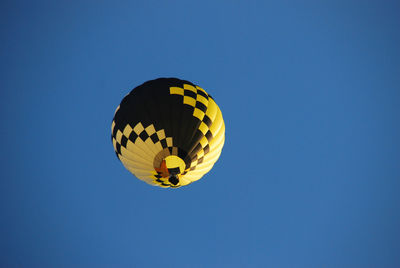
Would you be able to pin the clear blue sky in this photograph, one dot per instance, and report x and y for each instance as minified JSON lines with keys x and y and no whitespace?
{"x":310,"y":172}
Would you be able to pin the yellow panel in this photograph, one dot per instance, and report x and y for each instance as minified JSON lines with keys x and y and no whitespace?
{"x":127,"y":130}
{"x":112,"y":126}
{"x":215,"y":151}
{"x":136,"y":172}
{"x":138,"y":128}
{"x":199,"y":172}
{"x":212,"y":109}
{"x":213,"y":155}
{"x":198,"y":113}
{"x":189,"y":100}
{"x":217,"y":123}
{"x":184,"y":181}
{"x":158,"y":146}
{"x":194,"y":177}
{"x":209,"y":160}
{"x":161,"y":134}
{"x":203,"y":168}
{"x":203,"y":128}
{"x":151,"y":146}
{"x":146,"y":179}
{"x":173,"y":161}
{"x":217,"y":138}
{"x":140,"y":161}
{"x":194,"y":163}
{"x":200,"y":154}
{"x":116,"y":110}
{"x":202,"y":99}
{"x":169,"y":141}
{"x":142,"y":146}
{"x":190,"y":87}
{"x":176,"y":90}
{"x":203,"y":142}
{"x":136,"y":167}
{"x":139,"y":152}
{"x":114,"y":144}
{"x":118,"y":136}
{"x":150,"y":130}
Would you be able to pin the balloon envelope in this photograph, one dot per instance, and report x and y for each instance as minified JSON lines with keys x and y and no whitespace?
{"x":168,"y":132}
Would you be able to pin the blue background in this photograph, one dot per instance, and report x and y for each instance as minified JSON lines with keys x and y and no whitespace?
{"x":309,"y":175}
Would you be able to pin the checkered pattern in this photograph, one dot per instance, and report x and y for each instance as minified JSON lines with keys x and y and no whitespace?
{"x":142,"y":147}
{"x":164,"y":182}
{"x":120,"y":138}
{"x":196,"y":97}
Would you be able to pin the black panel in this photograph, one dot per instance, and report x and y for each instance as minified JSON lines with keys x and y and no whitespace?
{"x":118,"y":146}
{"x":181,"y":153}
{"x":154,"y":138}
{"x":209,"y":136}
{"x":164,"y":143}
{"x":190,"y":93}
{"x":201,"y":106}
{"x":188,"y":126}
{"x":143,"y":135}
{"x":174,"y":171}
{"x":174,"y":180}
{"x":206,"y":149}
{"x":114,"y":133}
{"x":124,"y":140}
{"x":207,"y":121}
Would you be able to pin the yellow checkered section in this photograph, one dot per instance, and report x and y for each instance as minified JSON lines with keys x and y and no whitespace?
{"x":194,"y":96}
{"x":206,"y":110}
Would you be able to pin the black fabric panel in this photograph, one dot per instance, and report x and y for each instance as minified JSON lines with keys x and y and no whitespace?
{"x":164,"y":143}
{"x":188,"y":126}
{"x":124,"y":140}
{"x":173,"y":123}
{"x":190,"y":93}
{"x":206,"y":149}
{"x":118,"y":146}
{"x":143,"y":135}
{"x":209,"y":136}
{"x":181,"y":153}
{"x":154,"y":138}
{"x":201,"y":106}
{"x":207,"y":121}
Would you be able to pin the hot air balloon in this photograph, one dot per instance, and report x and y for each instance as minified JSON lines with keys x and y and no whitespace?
{"x":168,"y":132}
